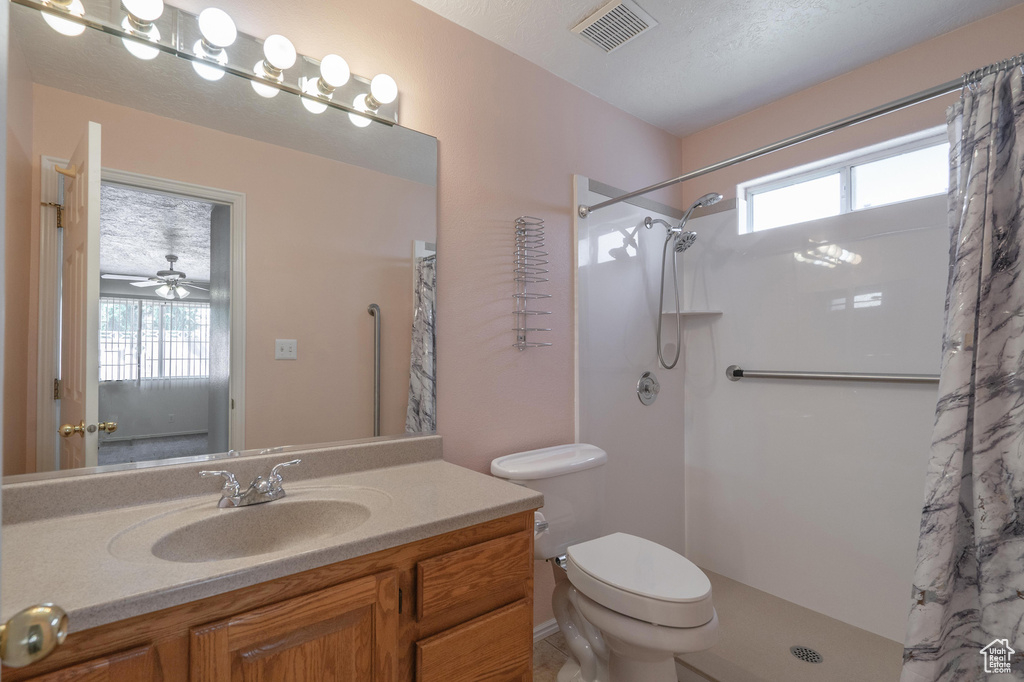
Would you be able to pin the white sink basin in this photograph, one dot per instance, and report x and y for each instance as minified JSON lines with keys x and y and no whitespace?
{"x":200,"y":533}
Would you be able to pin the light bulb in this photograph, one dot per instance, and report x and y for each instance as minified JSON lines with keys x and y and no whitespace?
{"x":278,"y":55}
{"x":262,"y":90}
{"x":279,"y":52}
{"x":334,"y":71}
{"x":359,"y":103}
{"x":217,"y":27}
{"x":63,"y":26}
{"x":312,"y":105}
{"x":218,"y":32}
{"x":214,"y":54}
{"x":144,"y":11}
{"x":384,"y":88}
{"x":141,"y":50}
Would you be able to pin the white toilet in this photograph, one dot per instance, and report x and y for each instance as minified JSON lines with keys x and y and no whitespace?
{"x":626,"y":605}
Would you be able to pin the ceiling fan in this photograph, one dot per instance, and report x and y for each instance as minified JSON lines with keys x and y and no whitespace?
{"x":171,"y":282}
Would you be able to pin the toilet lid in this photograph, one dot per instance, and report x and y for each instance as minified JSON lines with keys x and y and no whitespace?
{"x":641,"y":579}
{"x":642,"y":567}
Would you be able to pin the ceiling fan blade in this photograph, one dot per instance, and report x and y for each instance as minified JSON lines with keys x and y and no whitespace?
{"x":192,"y":286}
{"x":147,"y":283}
{"x":135,"y":278}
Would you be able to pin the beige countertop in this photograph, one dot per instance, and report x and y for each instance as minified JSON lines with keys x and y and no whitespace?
{"x":92,"y":563}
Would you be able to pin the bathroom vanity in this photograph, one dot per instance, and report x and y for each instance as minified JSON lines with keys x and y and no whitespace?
{"x":429,"y":575}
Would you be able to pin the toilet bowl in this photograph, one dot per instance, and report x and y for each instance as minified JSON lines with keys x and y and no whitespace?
{"x":626,"y":606}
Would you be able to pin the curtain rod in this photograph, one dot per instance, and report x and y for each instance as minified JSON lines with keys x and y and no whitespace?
{"x":902,"y":103}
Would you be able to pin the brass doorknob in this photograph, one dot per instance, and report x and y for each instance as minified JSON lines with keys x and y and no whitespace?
{"x":32,"y":634}
{"x":109,"y":427}
{"x":67,"y":430}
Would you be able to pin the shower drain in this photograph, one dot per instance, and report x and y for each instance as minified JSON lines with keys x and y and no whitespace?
{"x":806,"y":654}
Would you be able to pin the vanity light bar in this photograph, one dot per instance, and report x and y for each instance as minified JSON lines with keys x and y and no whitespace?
{"x":117,"y":31}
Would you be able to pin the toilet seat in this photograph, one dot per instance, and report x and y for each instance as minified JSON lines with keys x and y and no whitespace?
{"x":641,"y":579}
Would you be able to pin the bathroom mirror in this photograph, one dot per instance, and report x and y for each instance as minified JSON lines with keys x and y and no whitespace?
{"x":241,"y":241}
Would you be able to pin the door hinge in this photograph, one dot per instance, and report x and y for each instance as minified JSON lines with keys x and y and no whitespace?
{"x":232,"y":403}
{"x":56,"y":389}
{"x":399,"y":599}
{"x":60,"y":212}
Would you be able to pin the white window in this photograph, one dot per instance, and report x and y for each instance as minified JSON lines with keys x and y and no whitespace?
{"x":148,"y":339}
{"x":899,"y":170}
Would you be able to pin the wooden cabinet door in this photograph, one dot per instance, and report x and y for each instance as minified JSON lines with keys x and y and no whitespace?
{"x":136,"y":665}
{"x":342,"y":633}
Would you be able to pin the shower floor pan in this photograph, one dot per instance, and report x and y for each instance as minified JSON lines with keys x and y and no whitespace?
{"x":758,"y":630}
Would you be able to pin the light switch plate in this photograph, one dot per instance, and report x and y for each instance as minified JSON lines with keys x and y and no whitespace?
{"x":286,"y":349}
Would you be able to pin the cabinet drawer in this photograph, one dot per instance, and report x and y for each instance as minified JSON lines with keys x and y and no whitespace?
{"x":463,"y":576}
{"x":496,"y":647}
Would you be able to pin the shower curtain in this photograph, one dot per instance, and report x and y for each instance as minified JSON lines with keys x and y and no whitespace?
{"x":969,"y":583}
{"x":421,"y":414}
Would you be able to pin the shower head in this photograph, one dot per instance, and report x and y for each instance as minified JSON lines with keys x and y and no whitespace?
{"x":709,"y":199}
{"x":685,"y":241}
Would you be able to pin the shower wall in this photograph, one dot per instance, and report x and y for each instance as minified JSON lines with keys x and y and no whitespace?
{"x":617,"y":300}
{"x":812,"y":491}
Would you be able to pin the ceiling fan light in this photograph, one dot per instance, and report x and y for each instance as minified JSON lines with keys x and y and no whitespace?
{"x":164,"y":291}
{"x":181,"y":291}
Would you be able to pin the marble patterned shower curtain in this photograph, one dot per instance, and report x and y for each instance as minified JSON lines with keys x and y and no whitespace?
{"x":969,"y":582}
{"x":421,"y":414}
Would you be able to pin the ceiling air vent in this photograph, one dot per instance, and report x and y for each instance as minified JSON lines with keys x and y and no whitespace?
{"x":614,"y":25}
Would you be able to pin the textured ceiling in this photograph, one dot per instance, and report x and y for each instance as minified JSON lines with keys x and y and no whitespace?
{"x":138,"y":229}
{"x":710,"y":60}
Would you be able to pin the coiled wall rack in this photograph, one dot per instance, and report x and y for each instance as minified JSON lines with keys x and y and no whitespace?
{"x":530,"y":261}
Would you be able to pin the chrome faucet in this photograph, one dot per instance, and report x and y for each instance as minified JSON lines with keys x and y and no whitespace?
{"x":260,"y":490}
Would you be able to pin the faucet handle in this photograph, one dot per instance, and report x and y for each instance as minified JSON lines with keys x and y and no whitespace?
{"x":275,"y":473}
{"x":230,"y":484}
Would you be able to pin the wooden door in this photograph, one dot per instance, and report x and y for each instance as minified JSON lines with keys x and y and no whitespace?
{"x":339,"y":634}
{"x":80,"y":296}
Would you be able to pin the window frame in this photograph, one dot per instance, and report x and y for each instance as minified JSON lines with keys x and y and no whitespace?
{"x":843,"y":164}
{"x":162,"y":339}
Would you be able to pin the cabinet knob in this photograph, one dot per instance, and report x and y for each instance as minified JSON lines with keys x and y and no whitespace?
{"x":32,"y":634}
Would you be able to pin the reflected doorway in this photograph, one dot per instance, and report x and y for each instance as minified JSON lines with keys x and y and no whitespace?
{"x":164,"y":324}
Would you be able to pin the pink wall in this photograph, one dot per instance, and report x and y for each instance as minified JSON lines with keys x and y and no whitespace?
{"x":510,"y":137}
{"x":312,"y":265}
{"x":927,"y":64}
{"x":16,"y":270}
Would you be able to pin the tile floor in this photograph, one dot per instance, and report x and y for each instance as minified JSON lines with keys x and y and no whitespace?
{"x":548,"y":656}
{"x":757,"y":630}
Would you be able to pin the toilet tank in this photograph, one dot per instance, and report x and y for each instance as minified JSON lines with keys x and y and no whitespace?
{"x":572,"y":479}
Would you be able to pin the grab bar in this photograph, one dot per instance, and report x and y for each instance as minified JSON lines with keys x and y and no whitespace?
{"x":735,"y":373}
{"x":374,"y":310}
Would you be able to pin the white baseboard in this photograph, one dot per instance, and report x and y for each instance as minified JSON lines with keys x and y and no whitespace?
{"x":545,"y":630}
